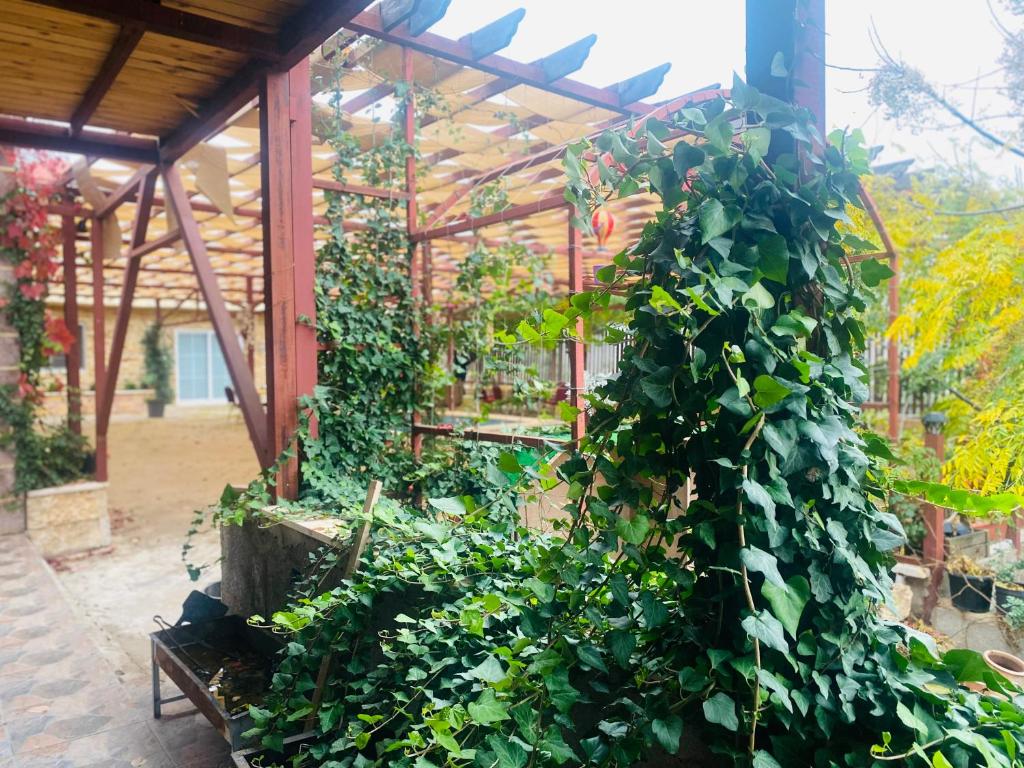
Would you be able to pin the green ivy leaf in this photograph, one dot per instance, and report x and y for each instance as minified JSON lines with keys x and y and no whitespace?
{"x":788,"y":603}
{"x":621,"y":644}
{"x":451,"y":505}
{"x":553,"y":744}
{"x":773,"y":258}
{"x":487,"y":709}
{"x":764,"y":563}
{"x":563,"y":696}
{"x":766,"y":628}
{"x":769,"y":391}
{"x":662,"y":301}
{"x":764,"y":760}
{"x":591,"y":657}
{"x":668,"y":731}
{"x":873,"y":272}
{"x":758,"y":297}
{"x":720,"y":709}
{"x":634,"y":530}
{"x":489,"y":670}
{"x":686,"y":156}
{"x":716,"y":219}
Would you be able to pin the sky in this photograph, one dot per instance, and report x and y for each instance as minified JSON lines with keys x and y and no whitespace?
{"x":951,"y":41}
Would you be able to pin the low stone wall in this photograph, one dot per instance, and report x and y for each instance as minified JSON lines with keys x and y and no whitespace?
{"x":68,"y":518}
{"x":127,"y":402}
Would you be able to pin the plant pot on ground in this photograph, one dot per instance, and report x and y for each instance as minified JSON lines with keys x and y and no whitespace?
{"x":157,"y":363}
{"x":970,"y":585}
{"x":1009,"y":586}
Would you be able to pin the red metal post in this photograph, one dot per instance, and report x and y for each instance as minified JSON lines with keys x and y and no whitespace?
{"x":99,"y":353}
{"x":893,"y":350}
{"x":577,"y":351}
{"x":289,"y":259}
{"x":105,"y":396}
{"x":245,"y":388}
{"x":73,"y":358}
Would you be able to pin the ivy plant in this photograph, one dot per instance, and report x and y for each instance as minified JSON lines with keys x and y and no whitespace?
{"x":712,"y":593}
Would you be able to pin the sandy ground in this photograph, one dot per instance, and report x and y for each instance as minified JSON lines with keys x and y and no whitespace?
{"x":161,"y":470}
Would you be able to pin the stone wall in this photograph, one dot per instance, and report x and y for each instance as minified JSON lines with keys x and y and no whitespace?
{"x":12,"y":510}
{"x":68,"y":518}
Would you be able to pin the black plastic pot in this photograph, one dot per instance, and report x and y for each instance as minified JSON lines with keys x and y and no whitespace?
{"x":971,"y":593}
{"x":1003,"y":595}
{"x":155,"y":408}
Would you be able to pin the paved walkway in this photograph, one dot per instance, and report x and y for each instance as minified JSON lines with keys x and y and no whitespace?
{"x":63,"y":704}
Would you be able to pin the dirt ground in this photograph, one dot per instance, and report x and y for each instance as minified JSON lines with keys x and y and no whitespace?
{"x":161,"y":470}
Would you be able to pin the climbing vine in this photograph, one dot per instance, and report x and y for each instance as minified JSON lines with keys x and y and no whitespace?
{"x":43,"y":455}
{"x":713,"y":588}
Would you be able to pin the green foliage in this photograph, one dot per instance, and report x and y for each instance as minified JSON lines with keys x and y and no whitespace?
{"x":1014,"y":616}
{"x":157,"y":364}
{"x":44,"y":455}
{"x":745,"y":618}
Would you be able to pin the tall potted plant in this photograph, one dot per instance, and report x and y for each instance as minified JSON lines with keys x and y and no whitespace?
{"x":157,"y":363}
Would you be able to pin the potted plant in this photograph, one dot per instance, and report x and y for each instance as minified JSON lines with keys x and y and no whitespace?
{"x":970,"y":585}
{"x":1008,"y":586}
{"x":157,"y":363}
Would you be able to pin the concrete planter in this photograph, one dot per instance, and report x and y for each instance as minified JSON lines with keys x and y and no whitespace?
{"x":260,"y":561}
{"x":68,"y":518}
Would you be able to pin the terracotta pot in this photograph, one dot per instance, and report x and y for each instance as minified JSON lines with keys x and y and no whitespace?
{"x":1007,"y":665}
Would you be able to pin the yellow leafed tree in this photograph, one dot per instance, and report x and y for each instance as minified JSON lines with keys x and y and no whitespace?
{"x":962,"y":314}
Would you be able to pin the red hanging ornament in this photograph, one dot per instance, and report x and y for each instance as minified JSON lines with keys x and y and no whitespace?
{"x":603,"y":224}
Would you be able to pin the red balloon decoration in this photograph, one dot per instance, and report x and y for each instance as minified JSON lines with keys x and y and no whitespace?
{"x":603,"y":224}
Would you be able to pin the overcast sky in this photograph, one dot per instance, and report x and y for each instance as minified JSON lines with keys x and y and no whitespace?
{"x":951,"y":41}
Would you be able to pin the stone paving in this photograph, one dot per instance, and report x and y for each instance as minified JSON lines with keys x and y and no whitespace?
{"x":63,"y":704}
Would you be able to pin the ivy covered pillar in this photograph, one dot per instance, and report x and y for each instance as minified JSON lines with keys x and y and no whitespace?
{"x":289,"y":259}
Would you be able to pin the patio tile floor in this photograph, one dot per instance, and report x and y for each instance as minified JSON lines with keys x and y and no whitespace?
{"x":62,"y":703}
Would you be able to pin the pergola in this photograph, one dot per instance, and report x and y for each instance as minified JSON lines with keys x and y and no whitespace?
{"x":143,"y":85}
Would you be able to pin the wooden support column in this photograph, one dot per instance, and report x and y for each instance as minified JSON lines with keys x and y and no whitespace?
{"x":245,"y":388}
{"x":289,"y":259}
{"x":411,"y":214}
{"x":105,"y":396}
{"x":250,"y":342}
{"x":99,"y":353}
{"x":577,"y":351}
{"x":73,"y":358}
{"x":796,"y":30}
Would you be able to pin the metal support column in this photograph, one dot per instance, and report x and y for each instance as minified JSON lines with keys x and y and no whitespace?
{"x":577,"y":350}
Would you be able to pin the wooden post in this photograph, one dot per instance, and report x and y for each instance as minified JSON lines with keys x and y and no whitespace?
{"x":73,"y":358}
{"x":359,"y":542}
{"x":411,"y":213}
{"x":289,"y":260}
{"x":143,"y":210}
{"x":250,"y":342}
{"x":99,"y":353}
{"x":796,"y":30}
{"x":577,"y":351}
{"x":245,"y":388}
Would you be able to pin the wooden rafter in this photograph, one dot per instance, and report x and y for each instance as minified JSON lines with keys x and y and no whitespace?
{"x":125,"y":43}
{"x":37,"y":135}
{"x":171,"y":22}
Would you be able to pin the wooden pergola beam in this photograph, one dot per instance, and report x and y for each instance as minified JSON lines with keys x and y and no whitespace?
{"x":170,"y":22}
{"x":125,"y":43}
{"x":37,"y":135}
{"x":549,"y":203}
{"x":461,"y":52}
{"x":300,"y":35}
{"x":241,"y":379}
{"x":105,"y":396}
